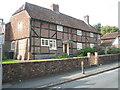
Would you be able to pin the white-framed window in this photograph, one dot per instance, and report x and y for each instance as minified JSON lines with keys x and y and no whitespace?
{"x":91,"y":35}
{"x":79,"y":32}
{"x":92,"y":45}
{"x":13,"y":45}
{"x":98,"y":36}
{"x":52,"y":44}
{"x":44,"y":42}
{"x":20,"y":26}
{"x":59,"y":28}
{"x":79,"y":46}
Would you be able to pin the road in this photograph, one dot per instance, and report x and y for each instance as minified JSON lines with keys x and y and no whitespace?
{"x":107,"y":79}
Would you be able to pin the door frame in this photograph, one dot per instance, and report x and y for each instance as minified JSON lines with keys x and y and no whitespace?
{"x":67,"y":47}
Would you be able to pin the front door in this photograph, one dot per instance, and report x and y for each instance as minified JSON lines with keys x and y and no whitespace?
{"x":66,"y":48}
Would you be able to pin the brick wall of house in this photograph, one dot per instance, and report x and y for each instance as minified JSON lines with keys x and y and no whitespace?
{"x":25,"y":19}
{"x":7,"y":31}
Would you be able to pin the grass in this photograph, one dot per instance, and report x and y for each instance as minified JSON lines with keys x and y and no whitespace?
{"x":105,"y":55}
{"x":40,"y":60}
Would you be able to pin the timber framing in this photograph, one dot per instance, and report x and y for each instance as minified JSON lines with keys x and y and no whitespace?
{"x":49,"y":34}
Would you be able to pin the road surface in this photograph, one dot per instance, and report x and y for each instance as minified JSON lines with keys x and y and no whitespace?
{"x":107,"y":79}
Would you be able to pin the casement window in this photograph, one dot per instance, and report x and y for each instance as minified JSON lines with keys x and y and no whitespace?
{"x":91,"y":35}
{"x":79,"y":46}
{"x":44,"y":42}
{"x":59,"y":28}
{"x":92,"y":45}
{"x":13,"y":45}
{"x":20,"y":26}
{"x":52,"y":45}
{"x":79,"y":32}
{"x":98,"y":36}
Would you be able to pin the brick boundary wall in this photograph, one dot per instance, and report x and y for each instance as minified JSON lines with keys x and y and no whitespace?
{"x":108,"y":59}
{"x":27,"y":70}
{"x":21,"y":71}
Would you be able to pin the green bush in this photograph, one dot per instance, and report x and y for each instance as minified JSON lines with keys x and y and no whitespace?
{"x":99,"y":49}
{"x":113,"y":50}
{"x":4,"y":58}
{"x":83,"y":52}
{"x":65,"y":55}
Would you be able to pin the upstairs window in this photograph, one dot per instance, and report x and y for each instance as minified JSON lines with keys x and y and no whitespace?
{"x":79,"y":32}
{"x":52,"y":45}
{"x":91,"y":35}
{"x":59,"y":28}
{"x":20,"y":26}
{"x":79,"y":46}
{"x":44,"y":42}
{"x":13,"y":45}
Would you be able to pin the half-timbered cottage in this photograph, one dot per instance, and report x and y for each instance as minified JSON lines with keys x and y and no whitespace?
{"x":38,"y":32}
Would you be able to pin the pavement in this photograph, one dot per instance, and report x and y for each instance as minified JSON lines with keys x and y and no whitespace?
{"x":57,"y":79}
{"x":107,"y":80}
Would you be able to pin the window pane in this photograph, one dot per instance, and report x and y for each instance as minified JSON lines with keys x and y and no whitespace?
{"x":79,"y":46}
{"x":59,"y":28}
{"x":46,"y":42}
{"x":79,"y":32}
{"x":52,"y":44}
{"x":42,"y":42}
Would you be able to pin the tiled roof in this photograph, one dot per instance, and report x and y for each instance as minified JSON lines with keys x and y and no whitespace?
{"x":110,"y":35}
{"x":45,"y":14}
{"x":107,"y":42}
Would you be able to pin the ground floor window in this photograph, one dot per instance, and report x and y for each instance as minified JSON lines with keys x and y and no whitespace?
{"x":52,"y":45}
{"x":79,"y":46}
{"x":44,"y":42}
{"x":13,"y":45}
{"x":92,"y":45}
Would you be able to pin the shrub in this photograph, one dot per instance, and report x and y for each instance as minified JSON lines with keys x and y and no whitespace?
{"x":83,"y":52}
{"x":65,"y":55}
{"x":4,"y":58}
{"x":99,"y":49}
{"x":113,"y":50}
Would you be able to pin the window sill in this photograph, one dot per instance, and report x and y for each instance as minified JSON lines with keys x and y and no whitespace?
{"x":52,"y":49}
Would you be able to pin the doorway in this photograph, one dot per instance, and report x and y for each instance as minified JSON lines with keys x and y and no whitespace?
{"x":66,"y":48}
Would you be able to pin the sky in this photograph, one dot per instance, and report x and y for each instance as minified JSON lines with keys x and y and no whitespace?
{"x":99,"y":11}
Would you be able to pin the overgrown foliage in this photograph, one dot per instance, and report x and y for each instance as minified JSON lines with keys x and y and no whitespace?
{"x":83,"y":52}
{"x":4,"y":58}
{"x":113,"y":50}
{"x":97,"y":26}
{"x":105,"y":29}
{"x":108,"y":29}
{"x":101,"y":50}
{"x":65,"y":55}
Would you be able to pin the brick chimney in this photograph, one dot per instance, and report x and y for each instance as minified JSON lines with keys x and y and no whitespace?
{"x":86,"y":19}
{"x":55,"y":7}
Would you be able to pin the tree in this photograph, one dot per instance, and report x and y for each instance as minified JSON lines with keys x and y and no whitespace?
{"x":108,"y":29}
{"x":97,"y":26}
